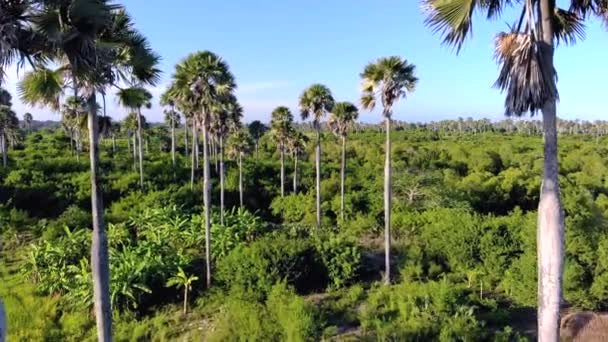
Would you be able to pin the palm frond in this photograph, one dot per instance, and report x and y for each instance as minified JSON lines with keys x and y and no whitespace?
{"x":521,"y":75}
{"x":568,"y":26}
{"x":42,"y":87}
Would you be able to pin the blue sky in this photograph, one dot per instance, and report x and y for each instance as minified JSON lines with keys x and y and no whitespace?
{"x":277,"y":48}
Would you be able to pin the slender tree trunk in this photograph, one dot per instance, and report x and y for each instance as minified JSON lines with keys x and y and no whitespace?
{"x":113,"y":143}
{"x":241,"y":178}
{"x":295,"y":173}
{"x":214,"y":149}
{"x":206,"y":201}
{"x":129,"y":142}
{"x":134,"y":151}
{"x":4,"y":151}
{"x":221,"y":143}
{"x":141,"y":150}
{"x":550,"y":236}
{"x":196,"y":145}
{"x":186,"y":138}
{"x":257,"y":148}
{"x":185,"y":300}
{"x":172,"y":141}
{"x":282,"y":148}
{"x":318,"y":169}
{"x":100,"y":268}
{"x":194,"y":155}
{"x":78,"y":138}
{"x":342,"y":177}
{"x":71,"y":142}
{"x":387,"y":204}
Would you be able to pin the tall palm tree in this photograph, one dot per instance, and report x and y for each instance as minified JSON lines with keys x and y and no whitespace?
{"x":9,"y":131}
{"x":240,"y":143}
{"x":74,"y":118}
{"x":200,"y":81}
{"x":341,"y":120}
{"x":95,"y":46}
{"x":27,"y":121}
{"x":388,"y":79}
{"x":130,"y":124}
{"x":256,"y":130}
{"x":172,"y":119}
{"x":227,"y":114}
{"x":281,"y":125}
{"x":296,"y":145}
{"x":527,"y":74}
{"x":135,"y":98}
{"x":315,"y":102}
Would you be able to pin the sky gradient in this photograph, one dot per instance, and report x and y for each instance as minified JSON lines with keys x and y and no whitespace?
{"x":277,"y":48}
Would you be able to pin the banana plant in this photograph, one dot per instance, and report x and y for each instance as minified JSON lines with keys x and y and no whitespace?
{"x":181,"y":279}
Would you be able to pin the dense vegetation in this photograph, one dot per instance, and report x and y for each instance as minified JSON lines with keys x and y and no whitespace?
{"x":464,"y":244}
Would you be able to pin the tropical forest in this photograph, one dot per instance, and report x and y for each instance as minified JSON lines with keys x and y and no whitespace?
{"x":154,"y":203}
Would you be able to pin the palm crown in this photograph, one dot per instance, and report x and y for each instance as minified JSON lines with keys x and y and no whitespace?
{"x":315,"y":102}
{"x":200,"y":81}
{"x":524,"y":76}
{"x":342,"y":117}
{"x":389,"y":78}
{"x":281,"y":123}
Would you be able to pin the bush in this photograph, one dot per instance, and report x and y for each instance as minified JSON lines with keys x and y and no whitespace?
{"x":258,"y":266}
{"x":341,"y":257}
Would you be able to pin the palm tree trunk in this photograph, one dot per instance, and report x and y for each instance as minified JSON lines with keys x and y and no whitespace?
{"x":221,"y":143}
{"x":134,"y":151}
{"x":71,"y":142}
{"x":141,"y":151}
{"x":194,"y":155}
{"x":99,"y":248}
{"x":387,"y":204}
{"x":318,"y":169}
{"x":342,"y":177}
{"x":214,"y":149}
{"x":282,"y":148}
{"x":4,"y":151}
{"x":257,"y":148}
{"x":550,"y":235}
{"x":241,"y":178}
{"x":196,"y":145}
{"x":113,"y":143}
{"x":185,"y":300}
{"x":186,"y":138}
{"x":295,"y":173}
{"x":129,"y":142}
{"x":173,"y":141}
{"x":206,"y":201}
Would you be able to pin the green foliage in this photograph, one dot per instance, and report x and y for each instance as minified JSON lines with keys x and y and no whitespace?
{"x":240,"y":226}
{"x":341,"y":256}
{"x":256,"y":267}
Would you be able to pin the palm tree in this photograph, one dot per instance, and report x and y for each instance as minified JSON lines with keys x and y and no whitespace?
{"x":342,"y":118}
{"x":296,"y":144}
{"x":226,"y":114}
{"x":172,"y":119}
{"x":389,"y":79}
{"x":315,"y":102}
{"x":257,"y":129}
{"x":100,"y":46}
{"x":74,"y":118}
{"x":281,"y":125}
{"x":9,"y":131}
{"x":240,"y":144}
{"x":27,"y":121}
{"x":527,"y":74}
{"x":130,"y":124}
{"x":200,"y":81}
{"x":135,"y":98}
{"x":181,"y":279}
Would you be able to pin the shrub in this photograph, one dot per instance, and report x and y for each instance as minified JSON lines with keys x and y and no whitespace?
{"x":340,"y":255}
{"x":258,"y":266}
